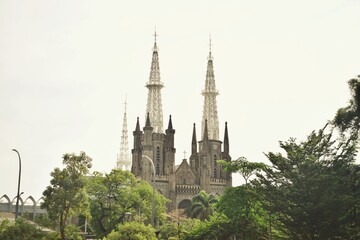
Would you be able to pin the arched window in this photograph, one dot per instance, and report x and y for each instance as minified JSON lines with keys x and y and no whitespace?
{"x":215,"y":166}
{"x":158,"y":160}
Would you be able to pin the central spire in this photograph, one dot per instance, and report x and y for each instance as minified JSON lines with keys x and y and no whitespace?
{"x":154,"y":103}
{"x":210,"y":107}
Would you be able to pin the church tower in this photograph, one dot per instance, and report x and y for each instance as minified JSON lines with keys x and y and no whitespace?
{"x":123,"y":160}
{"x":154,"y":103}
{"x":203,"y":160}
{"x":153,"y":145}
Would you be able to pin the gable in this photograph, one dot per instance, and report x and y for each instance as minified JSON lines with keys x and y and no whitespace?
{"x":184,"y":175}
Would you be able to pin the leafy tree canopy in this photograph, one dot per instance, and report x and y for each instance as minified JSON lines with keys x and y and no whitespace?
{"x":348,"y":118}
{"x":132,"y":231}
{"x":21,"y":229}
{"x":244,"y":167}
{"x":66,"y":196}
{"x":313,"y":188}
{"x":116,"y":196}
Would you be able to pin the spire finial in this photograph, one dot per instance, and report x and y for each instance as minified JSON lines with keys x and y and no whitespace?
{"x":210,"y":45}
{"x":155,"y":35}
{"x":210,"y":48}
{"x":125,"y":103}
{"x":155,"y":48}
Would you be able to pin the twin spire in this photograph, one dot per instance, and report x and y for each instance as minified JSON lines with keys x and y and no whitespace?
{"x":154,"y":102}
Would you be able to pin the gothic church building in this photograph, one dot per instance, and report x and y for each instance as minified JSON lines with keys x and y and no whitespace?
{"x":154,"y":151}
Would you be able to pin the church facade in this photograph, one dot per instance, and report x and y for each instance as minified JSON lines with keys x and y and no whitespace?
{"x":153,"y":151}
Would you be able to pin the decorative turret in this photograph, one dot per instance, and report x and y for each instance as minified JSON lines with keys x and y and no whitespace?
{"x":170,"y":149}
{"x":210,"y":107}
{"x":194,"y":141}
{"x":148,"y":130}
{"x":206,"y":133}
{"x":154,"y":103}
{"x":170,"y":134}
{"x":147,"y":123}
{"x":137,"y":128}
{"x":170,"y":126}
{"x":137,"y":150}
{"x":137,"y":135}
{"x":123,"y":157}
{"x":226,"y":140}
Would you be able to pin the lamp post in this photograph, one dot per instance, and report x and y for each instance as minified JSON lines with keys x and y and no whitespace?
{"x":18,"y":190}
{"x":153,"y":196}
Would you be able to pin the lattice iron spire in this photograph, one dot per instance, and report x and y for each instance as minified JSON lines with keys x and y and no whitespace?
{"x":124,"y":157}
{"x":210,"y":107}
{"x":154,"y":103}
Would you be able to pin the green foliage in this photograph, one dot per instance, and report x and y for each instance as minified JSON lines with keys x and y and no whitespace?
{"x":72,"y":232}
{"x":216,"y":227}
{"x":177,"y":225}
{"x":114,"y":194}
{"x":243,"y":166}
{"x":348,"y":118}
{"x":202,"y":205}
{"x":313,"y":190}
{"x":169,"y":230}
{"x":44,"y":221}
{"x":248,"y":220}
{"x":132,"y":231}
{"x":21,"y":229}
{"x":145,"y":191}
{"x":66,"y":196}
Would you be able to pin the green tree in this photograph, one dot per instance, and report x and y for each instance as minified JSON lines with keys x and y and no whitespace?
{"x":44,"y":221}
{"x":242,"y":166}
{"x":242,"y":206}
{"x":347,"y":119}
{"x":66,"y":196}
{"x":177,"y":225}
{"x":21,"y":229}
{"x":216,"y":227}
{"x":132,"y":231}
{"x":117,"y":193}
{"x":312,"y":188}
{"x":202,"y":205}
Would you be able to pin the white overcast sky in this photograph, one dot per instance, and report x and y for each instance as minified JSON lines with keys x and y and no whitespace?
{"x":281,"y":68}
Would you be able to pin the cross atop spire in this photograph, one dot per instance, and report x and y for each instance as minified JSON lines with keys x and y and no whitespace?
{"x":125,"y":103}
{"x":210,"y":44}
{"x":155,"y":35}
{"x":210,"y":48}
{"x":155,"y":48}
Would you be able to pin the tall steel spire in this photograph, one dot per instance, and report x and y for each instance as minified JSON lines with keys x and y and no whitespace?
{"x":210,"y":107}
{"x":154,"y":103}
{"x":124,"y":157}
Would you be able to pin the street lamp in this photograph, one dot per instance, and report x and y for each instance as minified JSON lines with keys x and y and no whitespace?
{"x":18,"y":190}
{"x":153,"y":196}
{"x":128,"y":216}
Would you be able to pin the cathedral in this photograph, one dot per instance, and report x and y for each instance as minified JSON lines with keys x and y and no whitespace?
{"x":153,"y":151}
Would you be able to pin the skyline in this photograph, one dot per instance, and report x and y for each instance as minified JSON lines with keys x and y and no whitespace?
{"x":66,"y":68}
